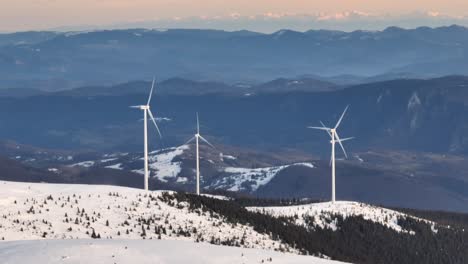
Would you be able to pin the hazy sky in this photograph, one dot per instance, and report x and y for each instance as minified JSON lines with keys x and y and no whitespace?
{"x":18,"y":15}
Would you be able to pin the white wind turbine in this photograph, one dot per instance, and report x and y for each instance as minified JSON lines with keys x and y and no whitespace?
{"x":334,"y":138}
{"x":147,"y":111}
{"x":196,"y":138}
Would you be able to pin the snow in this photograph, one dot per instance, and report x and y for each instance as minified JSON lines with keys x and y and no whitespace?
{"x":219,"y":197}
{"x":30,"y":210}
{"x":414,"y":101}
{"x":140,"y":251}
{"x":108,"y":160}
{"x":76,"y":33}
{"x":278,"y":34}
{"x":323,"y":215}
{"x":85,"y":164}
{"x":294,"y":82}
{"x":117,"y":166}
{"x":255,"y":178}
{"x":182,"y":180}
{"x":227,"y":157}
{"x":162,"y":164}
{"x":304,"y":164}
{"x":359,"y":158}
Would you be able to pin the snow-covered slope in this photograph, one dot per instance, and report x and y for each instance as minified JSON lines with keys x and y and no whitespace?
{"x":57,"y":211}
{"x":162,"y":163}
{"x":53,"y":223}
{"x":324,"y":215}
{"x":141,"y":252}
{"x":176,"y":166}
{"x":238,"y":179}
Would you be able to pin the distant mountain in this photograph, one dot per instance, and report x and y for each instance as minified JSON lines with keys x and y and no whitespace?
{"x":16,"y":171}
{"x":180,"y":86}
{"x":26,"y":38}
{"x":172,"y":86}
{"x":399,"y":114}
{"x":115,"y":56}
{"x":294,"y":85}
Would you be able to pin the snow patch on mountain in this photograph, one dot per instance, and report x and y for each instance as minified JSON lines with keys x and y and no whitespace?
{"x":117,"y":166}
{"x":108,"y":160}
{"x":244,"y":178}
{"x":162,"y":163}
{"x":85,"y":164}
{"x":414,"y":101}
{"x":229,"y":157}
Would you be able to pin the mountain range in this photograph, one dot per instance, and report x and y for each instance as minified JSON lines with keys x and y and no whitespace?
{"x":55,"y":60}
{"x":399,"y":114}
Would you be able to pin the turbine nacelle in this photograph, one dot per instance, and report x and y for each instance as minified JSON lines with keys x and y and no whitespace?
{"x":332,"y":132}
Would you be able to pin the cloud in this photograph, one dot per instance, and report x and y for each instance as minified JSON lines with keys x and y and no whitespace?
{"x":273,"y":21}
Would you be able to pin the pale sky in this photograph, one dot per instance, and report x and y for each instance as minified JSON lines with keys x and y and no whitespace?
{"x":19,"y":15}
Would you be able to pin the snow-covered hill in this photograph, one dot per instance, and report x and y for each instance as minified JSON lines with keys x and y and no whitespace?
{"x":141,"y":252}
{"x":324,"y":215}
{"x":58,"y":211}
{"x":62,"y":219}
{"x":52,"y":223}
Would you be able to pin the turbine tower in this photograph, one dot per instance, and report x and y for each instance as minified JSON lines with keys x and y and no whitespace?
{"x":332,"y":132}
{"x":197,"y":137}
{"x":147,"y":111}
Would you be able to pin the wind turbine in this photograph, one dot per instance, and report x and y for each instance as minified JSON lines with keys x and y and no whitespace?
{"x":196,"y":138}
{"x":332,"y":132}
{"x":147,"y":111}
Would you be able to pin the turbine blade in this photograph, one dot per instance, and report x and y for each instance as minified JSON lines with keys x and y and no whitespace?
{"x":328,"y":130}
{"x":190,"y":140}
{"x":151,"y":92}
{"x":134,"y":106}
{"x":320,"y":128}
{"x":341,"y":118}
{"x":154,"y":122}
{"x":341,"y":145}
{"x":346,"y":139}
{"x":206,"y":141}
